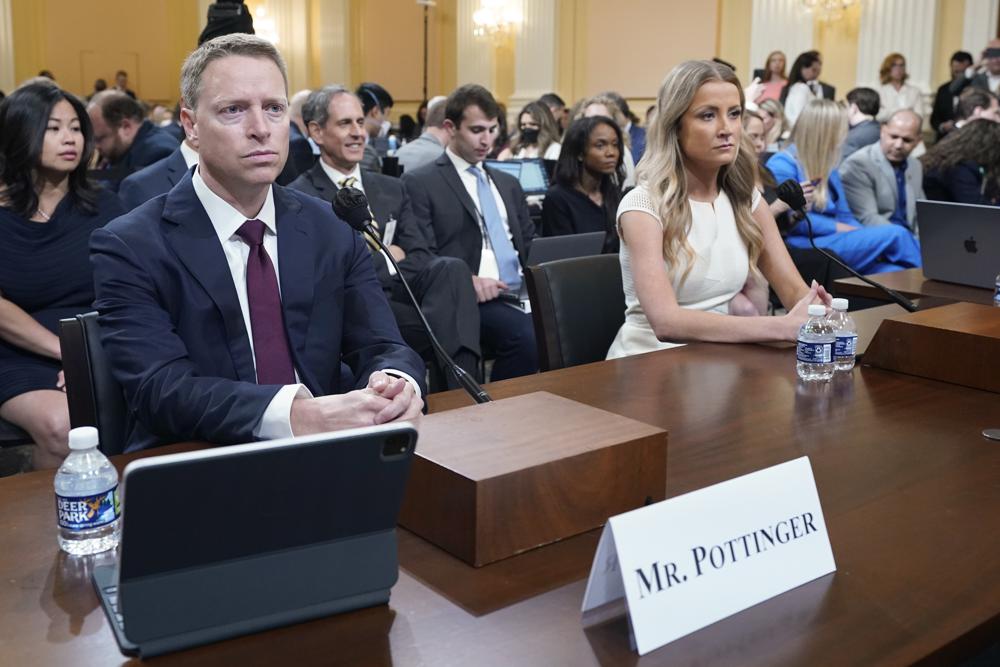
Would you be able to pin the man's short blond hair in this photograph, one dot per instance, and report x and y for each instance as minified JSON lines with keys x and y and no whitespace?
{"x":237,"y":44}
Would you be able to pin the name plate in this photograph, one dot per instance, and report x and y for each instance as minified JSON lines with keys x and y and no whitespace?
{"x":689,"y":561}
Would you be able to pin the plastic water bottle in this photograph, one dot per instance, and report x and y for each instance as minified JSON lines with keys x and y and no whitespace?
{"x":996,"y":292}
{"x":814,"y":352}
{"x":87,"y":505}
{"x":846,"y":331}
{"x":393,"y":145}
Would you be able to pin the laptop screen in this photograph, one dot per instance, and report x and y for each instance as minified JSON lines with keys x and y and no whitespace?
{"x":529,"y":172}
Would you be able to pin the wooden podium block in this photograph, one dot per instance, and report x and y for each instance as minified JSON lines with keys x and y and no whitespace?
{"x":958,"y":343}
{"x":493,"y":480}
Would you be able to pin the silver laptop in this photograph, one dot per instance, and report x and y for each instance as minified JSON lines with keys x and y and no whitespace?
{"x":233,"y":540}
{"x":960,"y":243}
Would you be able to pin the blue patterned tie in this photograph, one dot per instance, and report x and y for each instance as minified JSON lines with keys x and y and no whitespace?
{"x":502,"y":247}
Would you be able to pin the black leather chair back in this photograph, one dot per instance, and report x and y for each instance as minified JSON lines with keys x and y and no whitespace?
{"x":11,"y":435}
{"x":577,"y":306}
{"x":95,"y":397}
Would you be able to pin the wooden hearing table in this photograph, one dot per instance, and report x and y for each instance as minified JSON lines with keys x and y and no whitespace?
{"x":912,"y":284}
{"x":909,"y":487}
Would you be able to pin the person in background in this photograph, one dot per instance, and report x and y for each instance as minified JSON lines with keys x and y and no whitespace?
{"x":964,"y":167}
{"x":301,"y":156}
{"x":377,"y":104}
{"x":753,"y":128}
{"x":536,"y":136}
{"x":803,"y":85}
{"x":883,"y":181}
{"x":586,"y":193}
{"x":47,"y":74}
{"x":776,"y":127}
{"x":48,"y":208}
{"x":479,"y":215}
{"x":975,"y":103}
{"x":422,"y":116}
{"x":895,"y":93}
{"x":636,"y":133}
{"x":126,"y":140}
{"x":502,"y":139}
{"x":558,"y":108}
{"x":100,"y":85}
{"x":430,"y":144}
{"x":774,"y":79}
{"x":693,"y":233}
{"x":985,"y":75}
{"x":813,"y":156}
{"x":945,"y":101}
{"x":863,"y":129}
{"x":601,"y":105}
{"x":407,"y":128}
{"x":121,"y":83}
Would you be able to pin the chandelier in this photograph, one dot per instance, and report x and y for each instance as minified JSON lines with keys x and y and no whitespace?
{"x":497,"y":18}
{"x":828,"y":10}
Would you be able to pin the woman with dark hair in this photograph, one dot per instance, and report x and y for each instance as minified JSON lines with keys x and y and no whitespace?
{"x":803,"y":84}
{"x":586,"y":194}
{"x":965,"y":166}
{"x":537,"y":135}
{"x":48,"y":208}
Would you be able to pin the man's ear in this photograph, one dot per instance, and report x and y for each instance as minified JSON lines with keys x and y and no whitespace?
{"x":450,"y":127}
{"x":188,"y":122}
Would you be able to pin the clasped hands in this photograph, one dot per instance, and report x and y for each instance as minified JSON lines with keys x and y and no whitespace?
{"x":385,"y":399}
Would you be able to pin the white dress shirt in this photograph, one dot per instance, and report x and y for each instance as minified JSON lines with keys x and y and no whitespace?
{"x":189,"y":154}
{"x":276,"y":420}
{"x":799,"y":95}
{"x":892,"y":100}
{"x":488,"y":267}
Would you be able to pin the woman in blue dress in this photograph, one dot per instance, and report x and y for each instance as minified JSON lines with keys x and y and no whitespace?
{"x":48,"y":209}
{"x":813,"y":156}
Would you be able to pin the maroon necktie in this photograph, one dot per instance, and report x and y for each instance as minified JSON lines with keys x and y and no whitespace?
{"x":270,"y":343}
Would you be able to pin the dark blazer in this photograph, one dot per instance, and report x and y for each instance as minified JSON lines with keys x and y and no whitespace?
{"x":151,"y":144}
{"x":388,"y":201}
{"x":863,"y":134}
{"x":829,"y":92}
{"x":962,"y":183}
{"x":944,"y":107}
{"x":449,"y":218}
{"x":300,"y":156}
{"x":171,"y":320}
{"x":637,"y":137}
{"x":152,"y":181}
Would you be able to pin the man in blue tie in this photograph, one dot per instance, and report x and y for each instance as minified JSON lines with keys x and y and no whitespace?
{"x":230,"y":306}
{"x":480,"y":215}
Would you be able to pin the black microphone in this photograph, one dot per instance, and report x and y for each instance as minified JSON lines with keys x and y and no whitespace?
{"x":791,"y":193}
{"x":351,"y":206}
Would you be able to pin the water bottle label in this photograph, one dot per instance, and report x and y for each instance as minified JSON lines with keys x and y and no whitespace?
{"x":88,"y":512}
{"x":814,"y":353}
{"x":845,"y":346}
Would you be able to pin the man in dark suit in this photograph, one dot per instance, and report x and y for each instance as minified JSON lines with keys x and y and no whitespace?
{"x":300,"y":152}
{"x":945,"y":100}
{"x":158,"y":178}
{"x":480,"y":216}
{"x":443,"y":285}
{"x":228,"y":305}
{"x":127,"y":141}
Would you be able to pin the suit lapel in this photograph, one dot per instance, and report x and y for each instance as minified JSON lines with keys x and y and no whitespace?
{"x":193,"y":238}
{"x":176,"y":168}
{"x":450,"y":177}
{"x":325,"y":188}
{"x":377,"y":200}
{"x":295,"y":268}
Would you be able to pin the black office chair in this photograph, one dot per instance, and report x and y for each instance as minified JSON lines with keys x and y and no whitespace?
{"x":12,"y":436}
{"x":577,"y":306}
{"x":95,"y":397}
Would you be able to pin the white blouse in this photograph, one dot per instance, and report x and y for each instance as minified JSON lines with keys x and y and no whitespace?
{"x":718,"y":272}
{"x":892,"y":100}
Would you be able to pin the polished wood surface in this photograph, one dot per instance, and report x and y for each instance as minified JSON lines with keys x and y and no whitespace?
{"x":908,"y":486}
{"x":491,"y":481}
{"x":957,"y":343}
{"x":911,"y":283}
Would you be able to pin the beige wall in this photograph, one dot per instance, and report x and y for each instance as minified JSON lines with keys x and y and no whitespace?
{"x":948,"y":38}
{"x":837,"y":41}
{"x":632,"y":44}
{"x":81,"y":41}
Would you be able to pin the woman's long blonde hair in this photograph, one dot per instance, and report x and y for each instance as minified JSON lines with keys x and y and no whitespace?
{"x":818,"y":135}
{"x":661,"y":170}
{"x":777,"y":111}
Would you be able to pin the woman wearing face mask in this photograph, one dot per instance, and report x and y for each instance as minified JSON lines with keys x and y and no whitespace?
{"x":694,"y":235}
{"x":803,"y":84}
{"x":537,"y":135}
{"x":48,"y":208}
{"x":586,"y":194}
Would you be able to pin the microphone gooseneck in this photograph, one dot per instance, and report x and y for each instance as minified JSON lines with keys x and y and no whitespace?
{"x":791,"y":193}
{"x":351,"y":206}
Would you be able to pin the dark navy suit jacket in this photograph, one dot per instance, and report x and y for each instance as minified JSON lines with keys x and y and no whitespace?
{"x":151,"y":144}
{"x":152,"y":181}
{"x":172,"y":326}
{"x":637,"y":137}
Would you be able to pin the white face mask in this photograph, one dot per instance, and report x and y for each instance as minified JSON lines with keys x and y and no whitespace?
{"x":384,"y":130}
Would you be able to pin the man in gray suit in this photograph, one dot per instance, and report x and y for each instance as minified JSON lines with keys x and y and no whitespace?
{"x":428,"y":146}
{"x":443,"y":285}
{"x":882,"y":182}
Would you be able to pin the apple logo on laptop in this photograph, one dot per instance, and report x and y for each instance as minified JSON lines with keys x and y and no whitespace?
{"x":970,"y":244}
